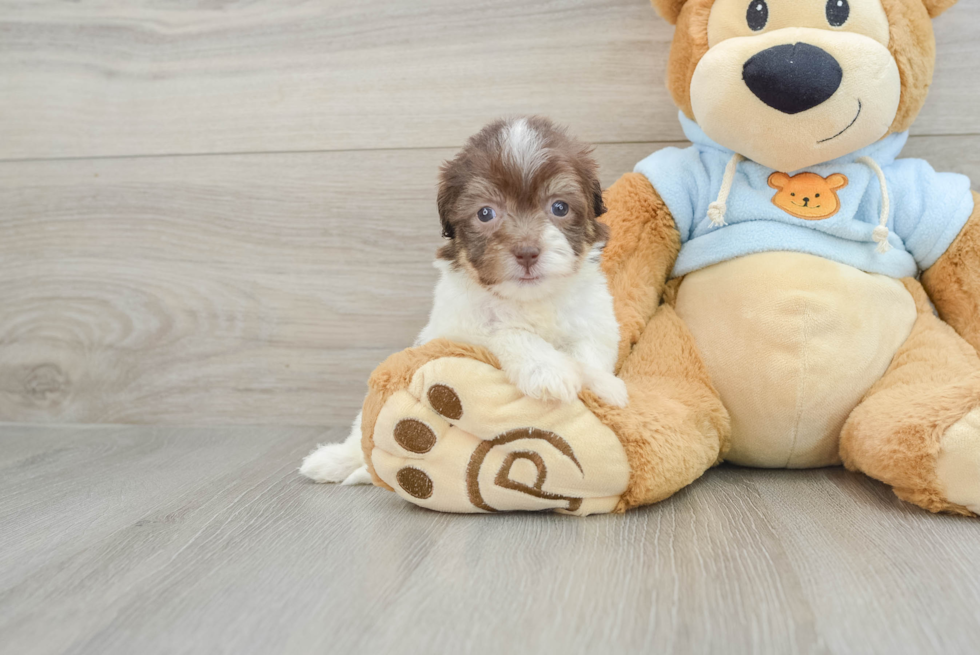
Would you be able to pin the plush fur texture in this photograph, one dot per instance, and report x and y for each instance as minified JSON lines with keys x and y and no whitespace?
{"x":953,"y":282}
{"x":639,"y":255}
{"x":675,"y":427}
{"x":895,"y":434}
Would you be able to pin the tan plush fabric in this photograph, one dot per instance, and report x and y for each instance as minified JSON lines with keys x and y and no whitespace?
{"x":937,"y":7}
{"x":488,"y":457}
{"x":913,"y":46}
{"x":688,"y":47}
{"x":675,"y":427}
{"x":958,"y":463}
{"x":793,"y":342}
{"x":911,"y":43}
{"x":669,"y":9}
{"x":896,"y":434}
{"x":639,"y":254}
{"x":953,"y":282}
{"x":395,"y":373}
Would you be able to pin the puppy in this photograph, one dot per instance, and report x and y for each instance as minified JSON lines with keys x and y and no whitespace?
{"x":520,"y":273}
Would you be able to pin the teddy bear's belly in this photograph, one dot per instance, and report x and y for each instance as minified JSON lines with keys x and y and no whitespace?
{"x":792,"y":343}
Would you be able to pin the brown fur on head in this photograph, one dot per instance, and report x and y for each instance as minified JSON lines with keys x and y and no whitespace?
{"x":519,"y":205}
{"x":905,"y":31}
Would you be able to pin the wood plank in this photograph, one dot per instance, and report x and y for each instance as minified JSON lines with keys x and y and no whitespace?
{"x":162,"y":540}
{"x":124,"y":78}
{"x":228,"y":289}
{"x":844,"y":560}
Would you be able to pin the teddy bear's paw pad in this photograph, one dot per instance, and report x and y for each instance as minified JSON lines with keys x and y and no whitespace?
{"x":408,"y":428}
{"x":462,"y":438}
{"x":958,"y":463}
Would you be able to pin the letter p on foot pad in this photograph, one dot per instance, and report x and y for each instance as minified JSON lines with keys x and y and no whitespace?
{"x":462,"y":438}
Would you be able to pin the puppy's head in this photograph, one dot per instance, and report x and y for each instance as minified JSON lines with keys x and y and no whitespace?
{"x":519,"y":205}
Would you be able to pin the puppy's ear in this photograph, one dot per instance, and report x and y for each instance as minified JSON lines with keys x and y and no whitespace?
{"x":450,"y":187}
{"x":936,"y":7}
{"x":448,"y":231}
{"x":598,"y":207}
{"x":670,"y":10}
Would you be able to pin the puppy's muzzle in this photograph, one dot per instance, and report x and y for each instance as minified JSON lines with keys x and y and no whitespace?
{"x":527,"y":256}
{"x":792,"y":78}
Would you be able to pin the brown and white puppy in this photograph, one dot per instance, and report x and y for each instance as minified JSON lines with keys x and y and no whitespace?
{"x":520,"y":273}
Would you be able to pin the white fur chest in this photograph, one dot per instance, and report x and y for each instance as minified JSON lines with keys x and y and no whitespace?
{"x":568,"y":313}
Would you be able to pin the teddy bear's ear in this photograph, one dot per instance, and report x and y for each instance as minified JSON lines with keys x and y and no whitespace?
{"x":778,"y":181}
{"x":671,"y":9}
{"x":837,"y":181}
{"x":936,"y":7}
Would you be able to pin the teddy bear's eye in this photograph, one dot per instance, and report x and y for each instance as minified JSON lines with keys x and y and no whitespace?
{"x":838,"y":11}
{"x":757,"y":14}
{"x":817,"y":196}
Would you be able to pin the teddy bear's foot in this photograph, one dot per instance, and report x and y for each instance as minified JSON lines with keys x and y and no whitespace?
{"x":958,"y":464}
{"x":462,"y":438}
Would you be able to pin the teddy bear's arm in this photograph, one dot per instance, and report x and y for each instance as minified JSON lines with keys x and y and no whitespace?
{"x":953,"y":282}
{"x":639,"y":256}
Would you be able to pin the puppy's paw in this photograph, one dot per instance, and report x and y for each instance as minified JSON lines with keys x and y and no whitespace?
{"x":610,"y":389}
{"x":549,"y":378}
{"x":335,"y":462}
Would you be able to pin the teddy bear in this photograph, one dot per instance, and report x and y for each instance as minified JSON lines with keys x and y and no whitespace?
{"x":790,"y":293}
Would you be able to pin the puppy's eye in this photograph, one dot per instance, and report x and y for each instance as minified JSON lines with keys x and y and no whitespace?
{"x":559,"y":208}
{"x":758,"y":14}
{"x":817,"y":196}
{"x":486,"y":214}
{"x":838,"y":11}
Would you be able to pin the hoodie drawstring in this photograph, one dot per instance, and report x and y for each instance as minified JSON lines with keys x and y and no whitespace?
{"x":880,"y":235}
{"x":718,"y":209}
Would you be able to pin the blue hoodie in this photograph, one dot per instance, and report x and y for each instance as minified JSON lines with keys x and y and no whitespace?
{"x":926,"y":209}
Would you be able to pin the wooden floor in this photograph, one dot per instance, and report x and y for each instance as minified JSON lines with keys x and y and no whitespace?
{"x":205,"y":540}
{"x":216,"y":217}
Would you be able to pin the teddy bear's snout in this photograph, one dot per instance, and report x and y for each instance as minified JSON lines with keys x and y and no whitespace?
{"x":792,"y":78}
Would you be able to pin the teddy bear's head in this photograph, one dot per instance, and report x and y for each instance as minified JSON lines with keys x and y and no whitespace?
{"x":793,"y":83}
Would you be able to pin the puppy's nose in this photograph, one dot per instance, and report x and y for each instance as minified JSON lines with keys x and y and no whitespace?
{"x":527,"y":256}
{"x":792,"y":78}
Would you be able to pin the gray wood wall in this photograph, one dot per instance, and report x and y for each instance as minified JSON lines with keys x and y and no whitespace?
{"x":223,"y":213}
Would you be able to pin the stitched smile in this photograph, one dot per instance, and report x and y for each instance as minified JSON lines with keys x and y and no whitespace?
{"x":806,"y":206}
{"x":846,"y":128}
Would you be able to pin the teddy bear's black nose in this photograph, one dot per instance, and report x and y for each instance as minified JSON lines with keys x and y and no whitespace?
{"x":793,"y":77}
